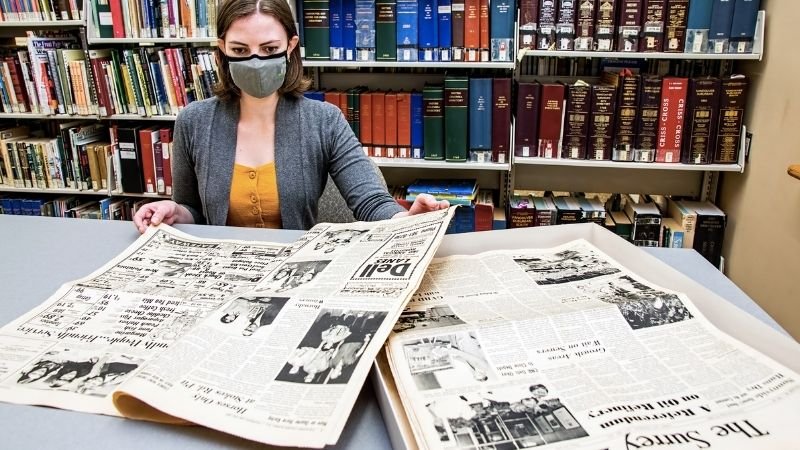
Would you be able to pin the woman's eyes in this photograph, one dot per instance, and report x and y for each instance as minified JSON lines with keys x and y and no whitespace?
{"x":243,"y":51}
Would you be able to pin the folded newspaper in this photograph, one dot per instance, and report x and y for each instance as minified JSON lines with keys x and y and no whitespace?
{"x":268,"y":342}
{"x":565,"y":347}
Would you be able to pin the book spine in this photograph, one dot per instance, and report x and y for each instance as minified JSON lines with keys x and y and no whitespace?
{"x":654,"y":26}
{"x":480,"y":119}
{"x":385,"y":30}
{"x":677,"y":17}
{"x":472,"y":40}
{"x":743,"y":26}
{"x":546,"y":34}
{"x":501,"y":119}
{"x":428,"y":30}
{"x":130,"y":161}
{"x":626,"y":121}
{"x":671,"y":120}
{"x":445,"y":30}
{"x":365,"y":132}
{"x":458,"y":18}
{"x":526,"y":129}
{"x":701,"y":113}
{"x":605,"y":25}
{"x":378,"y":124}
{"x":584,"y":33}
{"x":365,"y":30}
{"x":721,"y":21}
{"x":630,"y":25}
{"x":404,"y":124}
{"x":521,"y":217}
{"x":551,"y":119}
{"x":407,"y":30}
{"x":502,"y":30}
{"x":335,"y":29}
{"x":456,"y":105}
{"x":390,"y":125}
{"x":698,"y":26}
{"x":647,"y":126}
{"x":417,"y":126}
{"x":349,"y":29}
{"x":316,"y":26}
{"x":483,"y":32}
{"x":565,"y":26}
{"x":433,"y":119}
{"x":148,"y":161}
{"x":601,"y":127}
{"x":733,"y":97}
{"x":709,"y":236}
{"x":576,"y":123}
{"x":528,"y":23}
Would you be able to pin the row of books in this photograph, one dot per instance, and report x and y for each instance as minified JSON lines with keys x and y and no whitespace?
{"x":466,"y":119}
{"x":594,"y":67}
{"x":160,"y":19}
{"x":408,"y":30}
{"x":71,"y":206}
{"x":633,"y":118}
{"x":40,"y":10}
{"x":673,"y":26}
{"x":52,"y":77}
{"x":88,"y":156}
{"x":644,"y":220}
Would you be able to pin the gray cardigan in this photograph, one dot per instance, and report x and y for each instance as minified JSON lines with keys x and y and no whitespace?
{"x":312,"y":140}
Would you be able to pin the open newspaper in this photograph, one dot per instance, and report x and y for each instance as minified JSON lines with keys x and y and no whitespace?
{"x":567,"y":348}
{"x":265,"y":341}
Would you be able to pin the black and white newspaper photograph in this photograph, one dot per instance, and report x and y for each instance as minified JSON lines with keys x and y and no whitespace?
{"x":433,"y":317}
{"x":248,"y":314}
{"x":641,"y":305}
{"x":564,"y":267}
{"x":447,"y":360}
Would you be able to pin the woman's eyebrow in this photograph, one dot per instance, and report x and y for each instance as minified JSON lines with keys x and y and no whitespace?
{"x":263,"y":43}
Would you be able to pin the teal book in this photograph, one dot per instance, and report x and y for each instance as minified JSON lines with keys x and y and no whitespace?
{"x":316,"y":27}
{"x":433,"y":122}
{"x":456,"y":113}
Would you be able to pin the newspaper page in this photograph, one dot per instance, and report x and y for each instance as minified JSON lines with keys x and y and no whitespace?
{"x":284,"y":362}
{"x":92,"y":334}
{"x":566,"y":347}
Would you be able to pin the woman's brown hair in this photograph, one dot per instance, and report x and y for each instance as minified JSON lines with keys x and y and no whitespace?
{"x":232,"y":10}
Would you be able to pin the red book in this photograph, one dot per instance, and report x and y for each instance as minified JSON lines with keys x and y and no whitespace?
{"x":670,"y":122}
{"x":15,"y":71}
{"x":526,"y":131}
{"x":365,"y":125}
{"x":472,"y":26}
{"x":378,"y":124}
{"x":404,"y":124}
{"x":117,"y":19}
{"x":105,"y":105}
{"x":165,"y":135}
{"x":180,"y":92}
{"x":484,"y":30}
{"x":501,"y":119}
{"x":148,"y":137}
{"x":390,"y":124}
{"x":551,"y":117}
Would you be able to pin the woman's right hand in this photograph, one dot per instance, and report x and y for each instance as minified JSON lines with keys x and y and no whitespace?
{"x":163,"y":211}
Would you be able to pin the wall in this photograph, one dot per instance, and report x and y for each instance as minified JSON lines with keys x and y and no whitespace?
{"x":762,"y":247}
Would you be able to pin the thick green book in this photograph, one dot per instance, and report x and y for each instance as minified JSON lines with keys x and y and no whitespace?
{"x":316,"y":29}
{"x":433,"y":122}
{"x":456,"y":103}
{"x":386,"y":30}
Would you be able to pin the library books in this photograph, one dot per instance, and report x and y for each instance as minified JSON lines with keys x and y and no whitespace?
{"x":118,"y":341}
{"x":544,"y":350}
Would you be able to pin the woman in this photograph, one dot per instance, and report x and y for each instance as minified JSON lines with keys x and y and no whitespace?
{"x":259,"y":153}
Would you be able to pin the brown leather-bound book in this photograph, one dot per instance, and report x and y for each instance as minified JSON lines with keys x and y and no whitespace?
{"x":528,"y":23}
{"x":702,"y":109}
{"x":601,"y":126}
{"x":148,"y":137}
{"x":379,"y":124}
{"x":365,"y":134}
{"x":501,"y":119}
{"x":403,"y":125}
{"x":676,"y":20}
{"x":654,"y":26}
{"x":605,"y":25}
{"x":647,"y":126}
{"x":732,"y":100}
{"x":165,"y":135}
{"x":671,"y":120}
{"x":576,"y":121}
{"x":472,"y":25}
{"x":551,"y":117}
{"x":584,"y":32}
{"x":390,"y":124}
{"x":484,"y":30}
{"x":627,"y":113}
{"x":629,"y":25}
{"x":458,"y":17}
{"x":565,"y":26}
{"x":546,"y":36}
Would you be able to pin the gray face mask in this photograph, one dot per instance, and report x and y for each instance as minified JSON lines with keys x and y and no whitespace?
{"x":258,"y":76}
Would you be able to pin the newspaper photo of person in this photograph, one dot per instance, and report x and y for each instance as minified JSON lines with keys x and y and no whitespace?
{"x":433,"y":317}
{"x":503,"y":418}
{"x":641,"y":305}
{"x":293,"y":275}
{"x":336,"y":239}
{"x":330,"y":350}
{"x":171,"y":267}
{"x":257,"y":312}
{"x":448,"y":360}
{"x":58,"y":370}
{"x":565,"y":266}
{"x":107,"y":374}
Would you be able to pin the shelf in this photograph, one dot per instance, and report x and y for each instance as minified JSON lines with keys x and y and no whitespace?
{"x":35,"y":24}
{"x":410,"y":64}
{"x":427,"y":164}
{"x":628,"y":165}
{"x":212,"y":41}
{"x":137,"y":117}
{"x":46,"y":116}
{"x":103,"y":193}
{"x":140,"y":195}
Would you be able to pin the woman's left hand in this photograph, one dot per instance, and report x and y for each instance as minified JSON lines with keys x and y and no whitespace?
{"x":422,"y":204}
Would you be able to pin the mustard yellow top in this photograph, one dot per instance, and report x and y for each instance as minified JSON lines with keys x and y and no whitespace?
{"x":254,"y":197}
